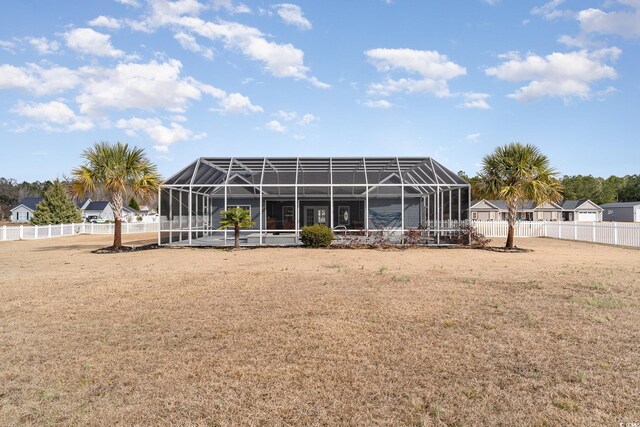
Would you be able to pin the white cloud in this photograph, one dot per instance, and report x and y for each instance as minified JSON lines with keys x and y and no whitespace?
{"x":7,"y":45}
{"x":106,"y":22}
{"x":38,"y":80}
{"x":286,"y":115}
{"x":472,"y":137}
{"x":188,"y":42}
{"x":434,"y":68}
{"x":53,"y":113}
{"x":438,"y":88}
{"x":134,"y":3}
{"x":307,"y":119}
{"x":625,"y":23}
{"x":88,"y":41}
{"x":235,"y":103}
{"x":428,"y":63}
{"x":550,"y":10}
{"x":162,"y":136}
{"x":378,"y":103}
{"x":279,"y":59}
{"x":564,"y":75}
{"x":475,"y":100}
{"x":276,"y":126}
{"x":292,"y":14}
{"x":43,"y":46}
{"x":230,"y":6}
{"x":143,"y":86}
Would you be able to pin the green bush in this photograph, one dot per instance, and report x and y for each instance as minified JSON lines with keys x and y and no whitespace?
{"x":316,"y":236}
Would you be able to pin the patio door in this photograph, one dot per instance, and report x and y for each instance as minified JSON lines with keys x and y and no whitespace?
{"x":315,"y":215}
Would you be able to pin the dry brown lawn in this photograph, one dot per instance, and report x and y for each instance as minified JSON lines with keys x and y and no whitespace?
{"x":318,"y":337}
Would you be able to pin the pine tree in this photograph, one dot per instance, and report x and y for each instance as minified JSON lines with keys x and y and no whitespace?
{"x":133,"y":204}
{"x":56,"y":208}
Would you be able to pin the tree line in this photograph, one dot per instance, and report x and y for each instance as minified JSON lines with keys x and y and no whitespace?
{"x":580,"y":187}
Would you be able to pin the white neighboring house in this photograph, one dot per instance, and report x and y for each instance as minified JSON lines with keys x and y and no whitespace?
{"x":144,"y":215}
{"x":23,"y":211}
{"x":581,"y":210}
{"x":101,"y":209}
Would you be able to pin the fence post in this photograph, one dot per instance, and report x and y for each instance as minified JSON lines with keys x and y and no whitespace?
{"x":21,"y":235}
{"x":92,"y":228}
{"x":593,"y":231}
{"x":615,"y":233}
{"x":35,"y":232}
{"x":559,"y":232}
{"x":83,"y":228}
{"x":49,"y":231}
{"x":4,"y":232}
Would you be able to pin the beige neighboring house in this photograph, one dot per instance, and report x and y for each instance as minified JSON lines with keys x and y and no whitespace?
{"x":496,"y":210}
{"x":581,"y":210}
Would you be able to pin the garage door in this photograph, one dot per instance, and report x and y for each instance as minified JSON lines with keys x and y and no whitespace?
{"x":587,"y":216}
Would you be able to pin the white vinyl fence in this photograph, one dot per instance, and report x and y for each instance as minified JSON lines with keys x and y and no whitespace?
{"x":30,"y":232}
{"x":610,"y":233}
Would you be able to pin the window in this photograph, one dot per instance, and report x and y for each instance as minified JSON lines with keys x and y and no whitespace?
{"x":554,"y":216}
{"x":344,"y":215}
{"x":540,"y":216}
{"x":474,"y":215}
{"x":492,"y":216}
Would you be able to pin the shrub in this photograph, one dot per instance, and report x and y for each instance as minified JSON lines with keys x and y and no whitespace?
{"x":316,"y":236}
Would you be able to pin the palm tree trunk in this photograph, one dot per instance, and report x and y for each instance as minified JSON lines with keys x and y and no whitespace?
{"x":116,"y":201}
{"x":511,"y":218}
{"x":236,"y":231}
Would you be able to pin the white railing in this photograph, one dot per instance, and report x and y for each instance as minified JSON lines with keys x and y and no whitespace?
{"x":31,"y":232}
{"x":610,"y":233}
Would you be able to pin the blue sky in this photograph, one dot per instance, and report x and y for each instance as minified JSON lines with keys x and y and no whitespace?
{"x":449,"y":79}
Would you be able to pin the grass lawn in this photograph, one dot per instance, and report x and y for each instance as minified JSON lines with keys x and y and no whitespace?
{"x":318,"y":337}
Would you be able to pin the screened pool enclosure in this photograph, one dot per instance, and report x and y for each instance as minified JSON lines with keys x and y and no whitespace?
{"x":368,"y":197}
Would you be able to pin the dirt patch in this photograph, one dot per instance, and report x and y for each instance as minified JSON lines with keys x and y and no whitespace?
{"x":283,"y":336}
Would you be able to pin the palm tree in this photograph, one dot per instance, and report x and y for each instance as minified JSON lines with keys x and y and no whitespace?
{"x":237,"y":218}
{"x":118,"y":170}
{"x":516,"y":173}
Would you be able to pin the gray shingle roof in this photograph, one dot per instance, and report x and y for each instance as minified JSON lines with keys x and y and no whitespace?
{"x":620,"y":205}
{"x":97,"y":206}
{"x":30,"y":202}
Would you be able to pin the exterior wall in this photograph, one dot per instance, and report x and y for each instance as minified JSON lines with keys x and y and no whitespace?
{"x":485,"y":215}
{"x":387,"y":213}
{"x":106,"y":213}
{"x":217,"y":206}
{"x":547,"y":215}
{"x":21,"y":214}
{"x":622,"y":214}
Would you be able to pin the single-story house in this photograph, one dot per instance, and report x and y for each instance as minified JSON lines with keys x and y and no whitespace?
{"x":370,"y":195}
{"x":496,"y":210}
{"x":621,"y":212}
{"x":144,"y":214}
{"x":100,"y":208}
{"x":23,"y":211}
{"x":581,"y":210}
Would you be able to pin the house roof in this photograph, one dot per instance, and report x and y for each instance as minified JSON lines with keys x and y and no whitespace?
{"x":502,"y":205}
{"x":81,"y":202}
{"x":620,"y":205}
{"x":572,"y":205}
{"x":29,"y":203}
{"x":97,"y":206}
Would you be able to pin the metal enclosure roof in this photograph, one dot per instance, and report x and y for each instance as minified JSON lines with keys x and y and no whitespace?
{"x":209,"y":174}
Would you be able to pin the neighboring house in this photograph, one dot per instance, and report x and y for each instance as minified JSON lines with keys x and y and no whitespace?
{"x":143,"y":215}
{"x":581,"y":210}
{"x":496,"y":210}
{"x":100,"y":208}
{"x":23,"y":211}
{"x":621,"y":212}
